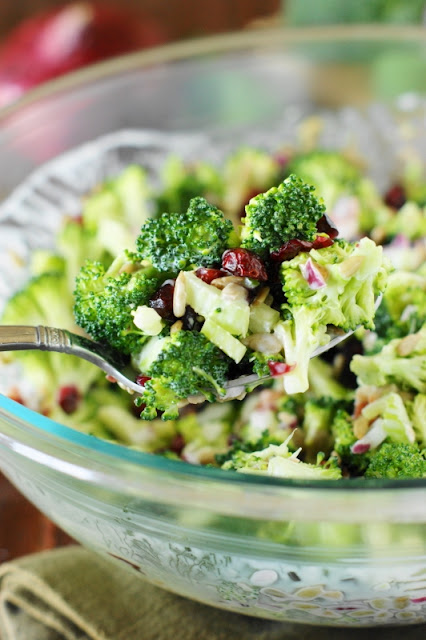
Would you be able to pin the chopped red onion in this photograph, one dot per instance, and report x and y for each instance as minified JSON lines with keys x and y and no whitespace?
{"x":312,"y":275}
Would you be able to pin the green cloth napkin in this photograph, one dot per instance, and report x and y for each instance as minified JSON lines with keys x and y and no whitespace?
{"x":74,"y":594}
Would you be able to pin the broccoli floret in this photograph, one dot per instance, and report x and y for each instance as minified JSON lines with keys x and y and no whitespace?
{"x":387,"y":416}
{"x":402,"y":311}
{"x":409,"y":221}
{"x":402,"y":362}
{"x":336,"y":285}
{"x":260,"y":362}
{"x":105,"y":300}
{"x":240,"y":446}
{"x":279,"y":461}
{"x":188,"y":364}
{"x":204,"y":433}
{"x":183,"y":183}
{"x":332,"y":175}
{"x":283,"y":213}
{"x":300,"y":334}
{"x":46,"y":300}
{"x":122,"y":201}
{"x":397,"y":461}
{"x":177,"y":241}
{"x":344,"y":438}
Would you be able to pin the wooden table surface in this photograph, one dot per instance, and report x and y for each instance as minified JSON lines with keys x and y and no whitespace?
{"x":23,"y":529}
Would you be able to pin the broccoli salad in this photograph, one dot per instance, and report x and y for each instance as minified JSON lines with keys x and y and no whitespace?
{"x":246,"y":269}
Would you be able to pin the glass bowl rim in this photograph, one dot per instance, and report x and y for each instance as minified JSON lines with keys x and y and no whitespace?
{"x":231,"y":42}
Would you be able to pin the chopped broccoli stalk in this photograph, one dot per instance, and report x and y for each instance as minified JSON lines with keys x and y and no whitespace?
{"x":183,"y":183}
{"x":402,"y":362}
{"x":417,"y":411}
{"x":279,"y":461}
{"x":177,"y":241}
{"x":397,"y":461}
{"x":344,"y":438}
{"x":316,"y":427}
{"x":323,"y":384}
{"x":106,"y":299}
{"x":188,"y":364}
{"x":283,"y":213}
{"x":390,"y":413}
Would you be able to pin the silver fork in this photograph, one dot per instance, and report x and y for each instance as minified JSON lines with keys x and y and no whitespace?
{"x":40,"y":338}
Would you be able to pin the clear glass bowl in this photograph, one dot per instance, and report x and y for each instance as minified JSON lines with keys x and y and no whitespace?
{"x":351,"y":553}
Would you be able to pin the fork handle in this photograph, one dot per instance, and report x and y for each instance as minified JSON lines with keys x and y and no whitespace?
{"x":22,"y":338}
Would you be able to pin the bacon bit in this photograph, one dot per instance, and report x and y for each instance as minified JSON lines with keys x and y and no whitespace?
{"x":245,"y":263}
{"x":141,"y":380}
{"x":69,"y":398}
{"x":207,"y":275}
{"x":361,"y":447}
{"x":312,"y":275}
{"x":279,"y":368}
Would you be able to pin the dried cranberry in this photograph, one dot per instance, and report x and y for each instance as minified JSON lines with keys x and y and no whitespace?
{"x":69,"y":398}
{"x":325,"y":225}
{"x":177,"y":444}
{"x":162,"y":300}
{"x":190,"y":320}
{"x":141,"y":380}
{"x":279,"y":368}
{"x":321,"y":242}
{"x":208,"y":275}
{"x":244,"y":263}
{"x":396,"y":197}
{"x":291,"y":249}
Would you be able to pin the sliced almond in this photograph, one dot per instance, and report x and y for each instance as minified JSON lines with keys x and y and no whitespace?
{"x":361,"y":426}
{"x":261,"y":296}
{"x":221,"y":283}
{"x":408,"y":344}
{"x":177,"y":326}
{"x":179,"y":296}
{"x":351,"y":265}
{"x":233,"y":292}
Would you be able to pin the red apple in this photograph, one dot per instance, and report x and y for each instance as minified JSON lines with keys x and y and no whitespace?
{"x":53,"y":43}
